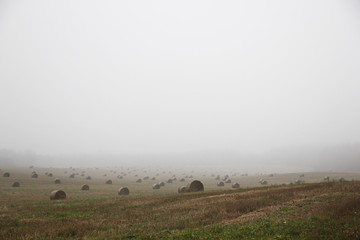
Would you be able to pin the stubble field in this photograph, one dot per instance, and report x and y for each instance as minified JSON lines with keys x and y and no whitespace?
{"x":314,"y":209}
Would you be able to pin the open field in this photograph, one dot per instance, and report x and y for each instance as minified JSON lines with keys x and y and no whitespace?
{"x":313,"y":210}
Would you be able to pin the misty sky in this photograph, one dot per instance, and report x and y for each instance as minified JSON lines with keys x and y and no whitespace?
{"x":174,"y":76}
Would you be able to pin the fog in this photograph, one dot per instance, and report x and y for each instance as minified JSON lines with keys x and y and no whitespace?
{"x":206,"y":81}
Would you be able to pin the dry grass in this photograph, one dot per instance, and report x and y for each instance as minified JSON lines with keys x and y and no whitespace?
{"x":27,"y":212}
{"x":110,"y":217}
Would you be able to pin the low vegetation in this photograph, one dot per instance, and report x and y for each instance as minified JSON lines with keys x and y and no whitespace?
{"x":328,"y":210}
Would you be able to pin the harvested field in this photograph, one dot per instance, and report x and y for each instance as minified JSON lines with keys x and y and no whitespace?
{"x":333,"y":208}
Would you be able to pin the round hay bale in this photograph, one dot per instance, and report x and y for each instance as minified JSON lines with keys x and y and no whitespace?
{"x":146,"y":178}
{"x":341,"y":179}
{"x":139,"y":180}
{"x":108,"y":182}
{"x":16,"y":184}
{"x":220,"y":184}
{"x":123,"y":191}
{"x":183,"y":189}
{"x":228,"y":181}
{"x":235,"y":185}
{"x":182,"y":180}
{"x":169,"y":180}
{"x":57,"y":194}
{"x":72,"y":175}
{"x":34,"y":175}
{"x":50,"y":175}
{"x":6,"y":174}
{"x":85,"y":187}
{"x":57,"y":181}
{"x":156,"y":186}
{"x":264,"y":182}
{"x":88,"y":178}
{"x":161,"y":184}
{"x":195,"y":186}
{"x":153,"y":178}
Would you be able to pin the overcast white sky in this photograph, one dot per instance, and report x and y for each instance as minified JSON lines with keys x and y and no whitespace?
{"x":176,"y":76}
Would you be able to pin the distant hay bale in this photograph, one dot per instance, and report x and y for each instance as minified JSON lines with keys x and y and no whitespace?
{"x":228,"y":181}
{"x":50,"y":175}
{"x":326,"y":178}
{"x":156,"y":186}
{"x":108,"y":182}
{"x":72,"y":175}
{"x":169,"y":180}
{"x":182,"y":180}
{"x":16,"y":184}
{"x":34,"y":175}
{"x":263,"y":182}
{"x":120,"y":177}
{"x":302,"y":175}
{"x":174,"y":179}
{"x":341,"y":179}
{"x":235,"y":185}
{"x":57,"y":194}
{"x":196,"y":186}
{"x":88,"y":178}
{"x":146,"y":178}
{"x":183,"y":189}
{"x":85,"y":187}
{"x":153,"y":178}
{"x":6,"y":174}
{"x":271,"y":175}
{"x":220,"y":184}
{"x":123,"y":191}
{"x":57,"y":181}
{"x":161,"y":184}
{"x":297,"y":181}
{"x":139,"y":180}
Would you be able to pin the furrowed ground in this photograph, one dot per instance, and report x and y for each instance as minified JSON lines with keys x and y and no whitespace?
{"x":312,"y":210}
{"x":307,"y":211}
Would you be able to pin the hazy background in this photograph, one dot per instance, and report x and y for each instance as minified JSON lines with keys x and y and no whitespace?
{"x":277,"y":82}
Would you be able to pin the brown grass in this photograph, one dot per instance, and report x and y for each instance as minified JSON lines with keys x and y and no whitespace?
{"x":100,"y":213}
